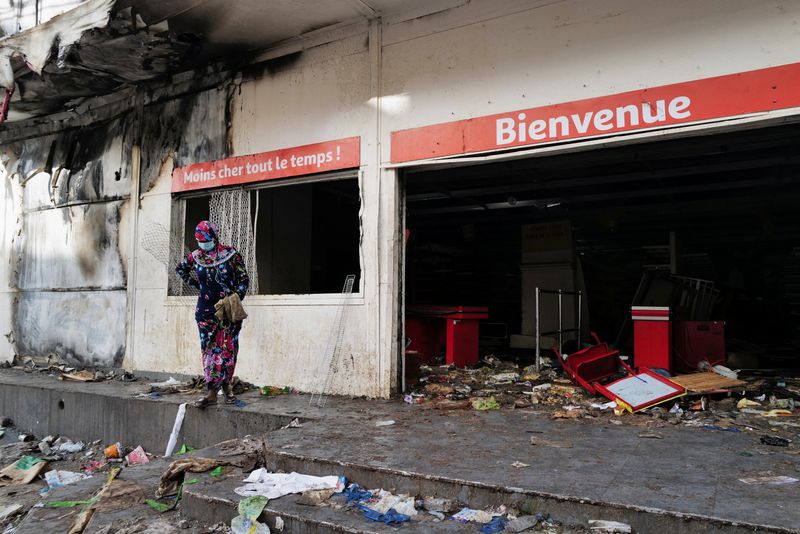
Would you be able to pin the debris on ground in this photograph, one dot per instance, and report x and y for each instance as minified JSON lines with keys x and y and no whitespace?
{"x":58,"y":478}
{"x":315,"y":497}
{"x":23,"y":471}
{"x":172,"y":479}
{"x":598,"y":525}
{"x":137,"y":456}
{"x":388,"y":422}
{"x":770,"y":481}
{"x":522,"y":523}
{"x":294,"y":423}
{"x":558,"y":444}
{"x":275,"y":485}
{"x":247,"y":520}
{"x":775,"y":441}
{"x":711,"y":401}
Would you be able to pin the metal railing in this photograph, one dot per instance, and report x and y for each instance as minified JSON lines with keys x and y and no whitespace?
{"x":561,"y":330}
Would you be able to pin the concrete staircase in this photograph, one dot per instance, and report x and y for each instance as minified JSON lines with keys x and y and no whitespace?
{"x":214,"y":501}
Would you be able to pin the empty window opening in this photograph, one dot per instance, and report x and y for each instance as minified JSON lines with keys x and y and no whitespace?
{"x":305,"y":237}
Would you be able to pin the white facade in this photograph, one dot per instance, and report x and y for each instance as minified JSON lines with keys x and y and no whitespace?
{"x":367,"y":79}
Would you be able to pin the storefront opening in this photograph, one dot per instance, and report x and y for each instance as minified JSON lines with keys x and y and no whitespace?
{"x":625,"y":225}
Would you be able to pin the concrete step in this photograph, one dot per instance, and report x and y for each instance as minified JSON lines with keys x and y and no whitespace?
{"x":567,"y":509}
{"x":215,"y":502}
{"x":111,"y":411}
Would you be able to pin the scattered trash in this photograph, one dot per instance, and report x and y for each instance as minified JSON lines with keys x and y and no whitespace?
{"x":271,"y":391}
{"x":83,"y":518}
{"x":497,"y":524}
{"x":279,"y":523}
{"x":167,"y":387}
{"x":642,"y":390}
{"x":485,"y":403}
{"x":57,"y":479}
{"x":91,"y":467}
{"x":295,"y":423}
{"x":315,"y":497}
{"x":522,"y":523}
{"x":217,"y":472}
{"x":568,"y":414}
{"x":607,"y":406}
{"x":137,"y":456}
{"x":10,"y":511}
{"x":239,"y":403}
{"x":775,"y":441}
{"x":113,"y":451}
{"x":654,"y":435}
{"x":23,"y":471}
{"x":746,"y":403}
{"x":770,"y":481}
{"x":176,"y":429}
{"x":558,"y":444}
{"x":383,"y":502}
{"x":468,"y":515}
{"x":389,"y":422}
{"x":503,"y":378}
{"x":354,"y":493}
{"x":80,"y":376}
{"x":520,"y":465}
{"x":391,"y":517}
{"x":724,"y":371}
{"x":172,"y":479}
{"x":439,"y":389}
{"x":247,"y":520}
{"x":707,"y":382}
{"x":275,"y":485}
{"x":434,"y":504}
{"x":608,"y":526}
{"x":185,"y":449}
{"x":26,"y":437}
{"x":676,"y":409}
{"x":722,"y":428}
{"x":777,"y":413}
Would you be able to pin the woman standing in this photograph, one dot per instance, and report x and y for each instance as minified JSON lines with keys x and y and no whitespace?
{"x":216,"y":270}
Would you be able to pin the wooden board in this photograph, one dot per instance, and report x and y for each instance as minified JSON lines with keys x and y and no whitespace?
{"x":706,"y":382}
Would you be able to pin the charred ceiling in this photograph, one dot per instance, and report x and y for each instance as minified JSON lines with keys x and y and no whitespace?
{"x":105,"y":56}
{"x":101,"y":47}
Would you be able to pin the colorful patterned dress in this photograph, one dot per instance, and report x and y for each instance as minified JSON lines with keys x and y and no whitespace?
{"x":215,"y":274}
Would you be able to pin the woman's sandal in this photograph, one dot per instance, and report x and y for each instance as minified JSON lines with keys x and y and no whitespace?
{"x":204,"y":402}
{"x":230,"y":399}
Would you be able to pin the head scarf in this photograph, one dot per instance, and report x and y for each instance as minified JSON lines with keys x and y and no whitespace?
{"x":206,"y":231}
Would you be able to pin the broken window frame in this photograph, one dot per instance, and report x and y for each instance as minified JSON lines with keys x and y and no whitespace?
{"x":178,"y":292}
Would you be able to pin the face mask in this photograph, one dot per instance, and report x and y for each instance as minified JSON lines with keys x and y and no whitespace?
{"x":206,"y":245}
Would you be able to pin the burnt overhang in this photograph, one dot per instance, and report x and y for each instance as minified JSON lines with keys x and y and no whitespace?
{"x":101,"y":46}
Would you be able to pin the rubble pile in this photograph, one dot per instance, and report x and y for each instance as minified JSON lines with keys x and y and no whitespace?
{"x":755,"y":404}
{"x":509,"y":385}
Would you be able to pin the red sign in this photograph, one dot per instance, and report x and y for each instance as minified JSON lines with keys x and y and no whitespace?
{"x":711,"y":98}
{"x":296,"y":161}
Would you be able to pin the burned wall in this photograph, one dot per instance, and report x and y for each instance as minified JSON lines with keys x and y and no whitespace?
{"x":67,"y":269}
{"x":188,"y":130}
{"x":68,"y":223}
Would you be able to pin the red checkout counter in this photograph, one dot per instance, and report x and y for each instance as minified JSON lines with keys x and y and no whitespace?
{"x":456,"y":328}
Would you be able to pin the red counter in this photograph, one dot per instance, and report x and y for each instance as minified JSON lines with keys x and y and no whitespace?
{"x":652,"y":337}
{"x":456,"y":328}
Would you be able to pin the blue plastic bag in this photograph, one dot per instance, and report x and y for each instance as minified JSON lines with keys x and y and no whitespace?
{"x":497,"y":524}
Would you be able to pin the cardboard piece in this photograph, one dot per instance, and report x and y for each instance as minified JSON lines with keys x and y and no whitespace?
{"x":23,"y":471}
